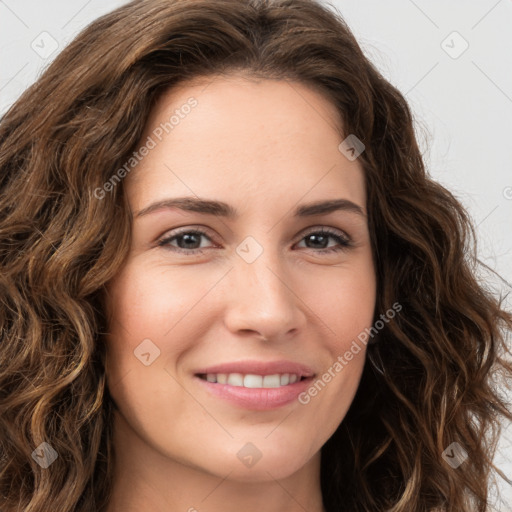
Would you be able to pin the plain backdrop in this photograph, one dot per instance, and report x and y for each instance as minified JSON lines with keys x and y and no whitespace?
{"x":451,"y":59}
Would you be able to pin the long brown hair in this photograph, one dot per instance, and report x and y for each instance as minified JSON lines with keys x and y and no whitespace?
{"x":428,"y":380}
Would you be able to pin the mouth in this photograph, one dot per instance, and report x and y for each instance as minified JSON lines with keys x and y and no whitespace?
{"x":254,"y":384}
{"x":253,"y":381}
{"x":261,"y":387}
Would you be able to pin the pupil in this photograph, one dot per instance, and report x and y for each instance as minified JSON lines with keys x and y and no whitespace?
{"x":317,"y":238}
{"x":187,"y":240}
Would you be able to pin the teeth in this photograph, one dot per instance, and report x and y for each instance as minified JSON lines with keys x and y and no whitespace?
{"x":235,"y":379}
{"x":271,"y":381}
{"x":253,"y":381}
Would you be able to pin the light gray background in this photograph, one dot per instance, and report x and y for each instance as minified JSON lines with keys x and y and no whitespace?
{"x":461,"y":97}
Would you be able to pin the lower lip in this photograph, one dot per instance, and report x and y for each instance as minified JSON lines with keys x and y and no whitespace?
{"x":259,"y":399}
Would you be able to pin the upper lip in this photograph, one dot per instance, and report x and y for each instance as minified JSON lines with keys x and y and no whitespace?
{"x":259,"y":368}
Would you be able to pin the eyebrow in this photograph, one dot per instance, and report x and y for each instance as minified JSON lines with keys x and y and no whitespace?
{"x":221,"y":209}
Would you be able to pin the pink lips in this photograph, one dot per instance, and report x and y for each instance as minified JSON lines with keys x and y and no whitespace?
{"x":259,"y":368}
{"x":259,"y":399}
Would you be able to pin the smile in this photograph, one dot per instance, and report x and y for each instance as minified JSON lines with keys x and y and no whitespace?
{"x":252,"y":391}
{"x":251,"y":380}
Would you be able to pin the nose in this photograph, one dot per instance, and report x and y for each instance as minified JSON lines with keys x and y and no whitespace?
{"x":260,"y":299}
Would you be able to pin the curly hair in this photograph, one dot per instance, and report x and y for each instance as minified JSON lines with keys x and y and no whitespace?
{"x":429,"y":379}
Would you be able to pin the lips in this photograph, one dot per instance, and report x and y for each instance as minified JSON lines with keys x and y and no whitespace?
{"x":238,"y":383}
{"x":258,"y":368}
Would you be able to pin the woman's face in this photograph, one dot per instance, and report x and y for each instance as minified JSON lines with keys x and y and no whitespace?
{"x":257,"y":287}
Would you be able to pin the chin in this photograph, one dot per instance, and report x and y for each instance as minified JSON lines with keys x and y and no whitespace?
{"x":275,"y":462}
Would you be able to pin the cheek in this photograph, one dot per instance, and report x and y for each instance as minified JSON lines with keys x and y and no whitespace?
{"x":156,"y":312}
{"x":145,"y":307}
{"x":140,"y":308}
{"x":346,"y":312}
{"x":355,"y":302}
{"x":148,"y":303}
{"x":344,"y":303}
{"x":346,"y":308}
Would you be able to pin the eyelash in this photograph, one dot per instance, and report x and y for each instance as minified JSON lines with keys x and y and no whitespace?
{"x":344,"y":242}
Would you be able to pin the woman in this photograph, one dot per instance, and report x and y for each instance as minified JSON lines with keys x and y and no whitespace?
{"x":260,"y":370}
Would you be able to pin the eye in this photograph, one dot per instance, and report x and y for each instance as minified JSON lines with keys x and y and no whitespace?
{"x":189,"y":241}
{"x":321,"y":237}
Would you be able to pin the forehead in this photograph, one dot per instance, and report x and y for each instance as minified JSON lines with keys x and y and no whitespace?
{"x":259,"y":141}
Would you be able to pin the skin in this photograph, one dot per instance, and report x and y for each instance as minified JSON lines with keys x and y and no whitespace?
{"x":264,"y":147}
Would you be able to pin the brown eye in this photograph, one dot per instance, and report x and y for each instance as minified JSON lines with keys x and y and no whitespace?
{"x":320,"y":240}
{"x":187,"y":241}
